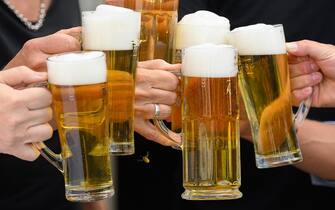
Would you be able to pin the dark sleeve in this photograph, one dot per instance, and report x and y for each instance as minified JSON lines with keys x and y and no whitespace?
{"x":190,"y":6}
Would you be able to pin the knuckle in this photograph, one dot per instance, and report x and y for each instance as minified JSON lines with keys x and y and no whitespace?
{"x":173,"y":98}
{"x":174,"y":82}
{"x":142,"y":94}
{"x":140,"y":76}
{"x":70,"y":42}
{"x":24,"y":69}
{"x":35,"y":61}
{"x":306,"y":68}
{"x":49,"y":114}
{"x":305,"y":42}
{"x":48,"y":132}
{"x":47,"y":96}
{"x":296,"y":94}
{"x":14,"y":101}
{"x":159,"y":63}
{"x":31,"y":45}
{"x":144,"y":112}
{"x":168,"y":110}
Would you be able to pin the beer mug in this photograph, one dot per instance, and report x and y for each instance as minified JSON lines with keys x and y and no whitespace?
{"x":210,"y":123}
{"x":78,"y":84}
{"x":265,"y":86}
{"x":193,"y":29}
{"x":158,"y":22}
{"x":116,"y":31}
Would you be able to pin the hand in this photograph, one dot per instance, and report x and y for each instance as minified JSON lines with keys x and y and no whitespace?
{"x":312,"y":64}
{"x":154,"y":85}
{"x":24,"y":112}
{"x":34,"y":52}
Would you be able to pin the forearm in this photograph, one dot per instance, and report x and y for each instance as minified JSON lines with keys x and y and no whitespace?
{"x":317,"y":142}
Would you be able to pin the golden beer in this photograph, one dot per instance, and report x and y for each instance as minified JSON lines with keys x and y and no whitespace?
{"x":157,"y":32}
{"x":121,"y":70}
{"x":210,"y":123}
{"x":79,"y":101}
{"x":265,"y":87}
{"x":159,"y":18}
{"x":193,"y":29}
{"x":116,"y":31}
{"x":211,"y":135}
{"x":80,"y":112}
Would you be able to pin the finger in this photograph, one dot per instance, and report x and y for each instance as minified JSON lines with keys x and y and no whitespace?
{"x":303,"y":68}
{"x":308,"y":80}
{"x":159,"y":64}
{"x":150,"y":132}
{"x":74,"y":32}
{"x":154,"y":96}
{"x":158,"y":79}
{"x":21,"y":76}
{"x":310,"y":48}
{"x":39,"y":133}
{"x":26,"y":152}
{"x":39,"y":116}
{"x":36,"y":98}
{"x":292,"y":59}
{"x":301,"y":94}
{"x":57,"y":43}
{"x":148,"y":111}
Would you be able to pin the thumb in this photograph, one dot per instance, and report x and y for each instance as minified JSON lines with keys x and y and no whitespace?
{"x":21,"y":76}
{"x":158,"y":64}
{"x":315,"y":50}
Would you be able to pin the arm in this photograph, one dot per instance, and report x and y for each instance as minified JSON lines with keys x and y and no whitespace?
{"x":318,"y":147}
{"x":312,"y":69}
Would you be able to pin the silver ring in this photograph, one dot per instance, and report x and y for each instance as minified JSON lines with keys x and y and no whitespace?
{"x":157,"y":111}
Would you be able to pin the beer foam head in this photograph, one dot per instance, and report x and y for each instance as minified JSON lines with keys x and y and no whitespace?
{"x":77,"y":68}
{"x":259,"y":39}
{"x":201,"y":27}
{"x":209,"y":60}
{"x":110,"y":28}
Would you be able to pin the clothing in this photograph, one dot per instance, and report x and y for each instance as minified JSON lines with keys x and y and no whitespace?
{"x":33,"y":185}
{"x":158,"y":185}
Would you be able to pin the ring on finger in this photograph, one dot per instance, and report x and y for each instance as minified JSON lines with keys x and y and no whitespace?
{"x":157,"y":111}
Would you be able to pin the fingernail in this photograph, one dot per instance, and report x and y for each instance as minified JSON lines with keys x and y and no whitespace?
{"x":291,"y":46}
{"x":314,"y":66}
{"x":316,"y":77}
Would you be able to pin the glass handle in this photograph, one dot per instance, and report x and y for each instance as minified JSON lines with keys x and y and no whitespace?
{"x":53,"y":158}
{"x":303,"y":110}
{"x":165,"y":131}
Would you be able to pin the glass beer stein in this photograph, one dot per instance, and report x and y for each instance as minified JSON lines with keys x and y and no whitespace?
{"x":78,"y":84}
{"x":265,"y":87}
{"x":193,"y":29}
{"x":158,"y":22}
{"x":210,"y":123}
{"x":116,"y":32}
